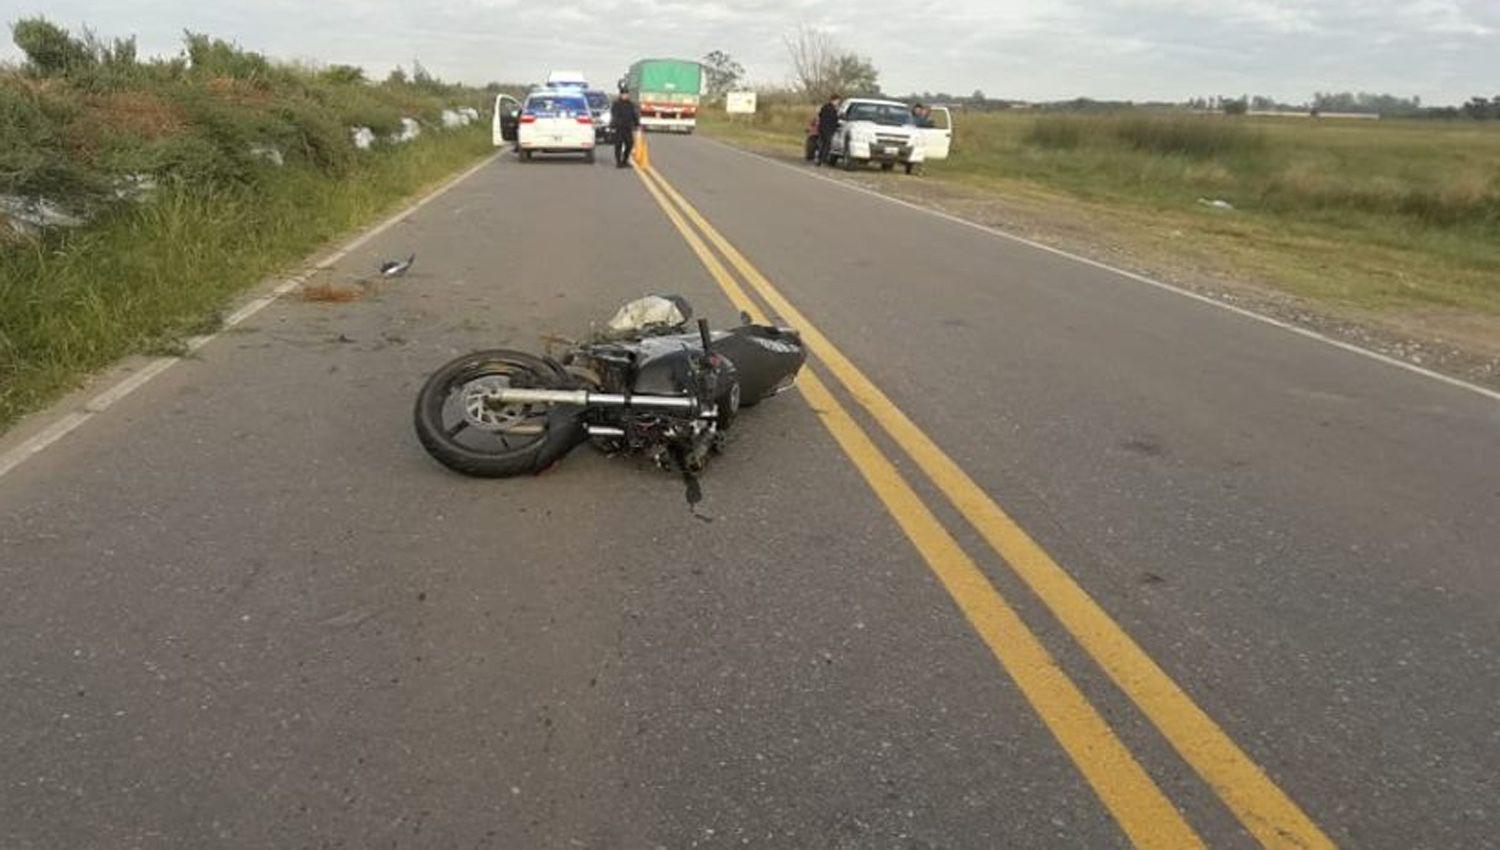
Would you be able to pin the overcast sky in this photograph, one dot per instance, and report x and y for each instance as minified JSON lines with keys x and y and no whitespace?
{"x":1443,"y":50}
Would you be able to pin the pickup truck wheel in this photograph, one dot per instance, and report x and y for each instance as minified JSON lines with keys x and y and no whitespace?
{"x":910,"y":167}
{"x":525,"y":155}
{"x":887,"y":166}
{"x":849,"y":161}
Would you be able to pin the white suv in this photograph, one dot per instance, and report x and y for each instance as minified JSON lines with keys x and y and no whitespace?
{"x":556,"y":121}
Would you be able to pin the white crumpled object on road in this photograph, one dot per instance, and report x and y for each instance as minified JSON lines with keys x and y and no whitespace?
{"x":653,"y":310}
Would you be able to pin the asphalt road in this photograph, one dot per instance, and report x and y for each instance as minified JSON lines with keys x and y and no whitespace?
{"x":242,"y":608}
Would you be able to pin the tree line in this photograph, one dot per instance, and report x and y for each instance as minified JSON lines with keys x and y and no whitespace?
{"x":1357,"y":103}
{"x":822,"y":67}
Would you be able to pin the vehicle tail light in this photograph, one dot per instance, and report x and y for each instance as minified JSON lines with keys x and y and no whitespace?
{"x":528,"y":119}
{"x":585,"y":119}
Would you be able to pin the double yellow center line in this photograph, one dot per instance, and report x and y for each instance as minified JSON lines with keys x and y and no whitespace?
{"x":1148,"y":818}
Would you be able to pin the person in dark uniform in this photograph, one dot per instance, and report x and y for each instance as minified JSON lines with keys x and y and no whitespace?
{"x":828,"y":124}
{"x":624,"y":118}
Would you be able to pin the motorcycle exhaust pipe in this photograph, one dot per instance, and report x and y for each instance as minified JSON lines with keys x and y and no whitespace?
{"x":584,"y":398}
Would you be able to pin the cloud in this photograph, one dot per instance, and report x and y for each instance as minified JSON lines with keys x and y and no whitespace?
{"x":1139,"y":49}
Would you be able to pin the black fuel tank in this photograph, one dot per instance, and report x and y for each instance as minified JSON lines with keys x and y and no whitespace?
{"x":664,"y":364}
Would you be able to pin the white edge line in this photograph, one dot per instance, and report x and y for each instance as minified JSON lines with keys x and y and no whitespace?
{"x":1196,"y":296}
{"x":69,"y":422}
{"x":41,"y":440}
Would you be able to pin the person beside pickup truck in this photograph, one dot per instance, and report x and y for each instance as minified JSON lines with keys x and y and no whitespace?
{"x":828,"y":124}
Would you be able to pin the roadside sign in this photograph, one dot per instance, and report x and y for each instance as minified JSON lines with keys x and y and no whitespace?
{"x":739,"y":102}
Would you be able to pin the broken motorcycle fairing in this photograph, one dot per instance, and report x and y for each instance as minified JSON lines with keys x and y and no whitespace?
{"x":647,"y":384}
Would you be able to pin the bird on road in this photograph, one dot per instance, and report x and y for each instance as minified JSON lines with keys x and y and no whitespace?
{"x":397,"y":268}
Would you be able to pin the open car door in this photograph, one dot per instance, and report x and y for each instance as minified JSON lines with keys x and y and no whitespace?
{"x":937,"y":140}
{"x":507,"y":116}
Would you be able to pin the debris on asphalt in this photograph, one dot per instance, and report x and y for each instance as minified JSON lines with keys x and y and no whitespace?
{"x":330,"y":292}
{"x":397,"y":268}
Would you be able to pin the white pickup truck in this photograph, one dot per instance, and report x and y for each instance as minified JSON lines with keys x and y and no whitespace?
{"x":886,"y":132}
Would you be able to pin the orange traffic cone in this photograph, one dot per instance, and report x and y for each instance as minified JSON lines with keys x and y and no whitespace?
{"x":641,"y":155}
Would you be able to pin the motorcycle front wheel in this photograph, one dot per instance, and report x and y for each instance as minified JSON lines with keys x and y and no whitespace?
{"x":459,"y":425}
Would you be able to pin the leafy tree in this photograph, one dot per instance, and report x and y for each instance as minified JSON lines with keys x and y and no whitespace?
{"x":1235,"y":106}
{"x":219,"y":58}
{"x":1366,"y":102}
{"x":723,"y":73}
{"x":854,"y":74}
{"x":50,"y":50}
{"x":420,"y":76}
{"x":397,"y":77}
{"x":1482,"y":110}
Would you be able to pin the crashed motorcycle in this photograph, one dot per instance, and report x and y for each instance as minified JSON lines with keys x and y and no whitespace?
{"x":649,"y":384}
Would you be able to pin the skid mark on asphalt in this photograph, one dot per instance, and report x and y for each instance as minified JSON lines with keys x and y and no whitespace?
{"x":1259,"y":804}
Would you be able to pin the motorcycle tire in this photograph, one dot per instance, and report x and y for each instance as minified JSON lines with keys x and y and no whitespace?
{"x":562,"y":431}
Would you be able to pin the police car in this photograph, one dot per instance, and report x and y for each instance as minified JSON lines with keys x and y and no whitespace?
{"x":555,"y":120}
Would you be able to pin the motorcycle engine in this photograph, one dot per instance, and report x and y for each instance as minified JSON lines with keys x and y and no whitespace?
{"x":680,"y":442}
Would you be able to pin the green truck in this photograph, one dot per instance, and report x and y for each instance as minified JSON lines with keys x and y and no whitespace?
{"x":667,"y":92}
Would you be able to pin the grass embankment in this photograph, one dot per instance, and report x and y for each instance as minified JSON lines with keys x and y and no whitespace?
{"x":1384,"y":217}
{"x":145,"y":273}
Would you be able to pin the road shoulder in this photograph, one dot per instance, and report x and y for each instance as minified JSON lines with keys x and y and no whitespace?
{"x":1463,"y":346}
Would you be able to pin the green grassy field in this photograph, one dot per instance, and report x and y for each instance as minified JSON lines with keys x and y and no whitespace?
{"x":1379,"y":216}
{"x":83,"y":120}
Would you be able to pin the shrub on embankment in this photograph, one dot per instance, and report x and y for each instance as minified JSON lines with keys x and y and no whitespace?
{"x":83,"y":122}
{"x":135,"y":196}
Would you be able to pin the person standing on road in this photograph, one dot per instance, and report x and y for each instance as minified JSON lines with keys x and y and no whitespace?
{"x":624,"y":118}
{"x":828,"y":124}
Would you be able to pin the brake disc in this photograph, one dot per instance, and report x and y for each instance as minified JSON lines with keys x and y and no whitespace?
{"x":482,"y":409}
